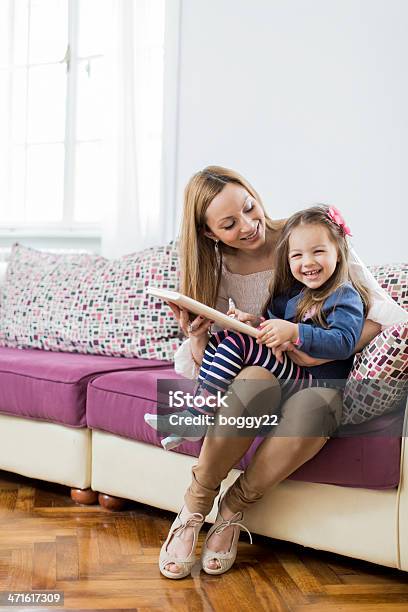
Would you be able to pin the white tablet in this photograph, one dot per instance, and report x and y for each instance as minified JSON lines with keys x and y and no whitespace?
{"x":187,"y":303}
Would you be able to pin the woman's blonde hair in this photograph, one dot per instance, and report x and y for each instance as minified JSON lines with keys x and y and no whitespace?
{"x":201,"y":261}
{"x":283,"y":280}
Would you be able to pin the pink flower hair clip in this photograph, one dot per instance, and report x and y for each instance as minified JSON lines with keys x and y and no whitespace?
{"x":336,"y":216}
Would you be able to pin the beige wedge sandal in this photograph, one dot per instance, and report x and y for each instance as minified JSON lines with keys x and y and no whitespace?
{"x":226,"y":560}
{"x":196,"y":520}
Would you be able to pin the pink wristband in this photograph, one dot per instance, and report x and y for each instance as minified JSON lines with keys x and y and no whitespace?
{"x":297,"y":341}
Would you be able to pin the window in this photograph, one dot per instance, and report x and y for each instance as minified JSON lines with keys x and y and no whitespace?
{"x":52,"y":60}
{"x":51,"y":129}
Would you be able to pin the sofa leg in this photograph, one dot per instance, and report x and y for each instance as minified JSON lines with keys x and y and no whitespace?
{"x":84,"y":496}
{"x":110,"y":502}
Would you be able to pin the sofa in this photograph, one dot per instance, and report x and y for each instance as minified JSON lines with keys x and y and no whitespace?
{"x":77,"y":420}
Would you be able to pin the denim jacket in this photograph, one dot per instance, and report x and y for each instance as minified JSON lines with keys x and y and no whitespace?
{"x":344,"y":314}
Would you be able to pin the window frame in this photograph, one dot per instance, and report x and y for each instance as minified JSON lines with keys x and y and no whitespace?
{"x":67,"y":227}
{"x":67,"y":232}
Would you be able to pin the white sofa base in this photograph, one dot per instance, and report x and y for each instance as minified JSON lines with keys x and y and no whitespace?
{"x":360,"y":523}
{"x":47,"y":451}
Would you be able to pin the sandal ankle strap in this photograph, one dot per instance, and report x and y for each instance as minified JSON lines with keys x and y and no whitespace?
{"x":233,"y":521}
{"x":193,"y":521}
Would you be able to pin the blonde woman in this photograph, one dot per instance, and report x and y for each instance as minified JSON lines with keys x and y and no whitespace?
{"x":227,"y":252}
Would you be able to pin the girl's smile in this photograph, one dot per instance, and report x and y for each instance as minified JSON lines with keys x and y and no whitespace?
{"x":313,"y":274}
{"x":313,"y":255}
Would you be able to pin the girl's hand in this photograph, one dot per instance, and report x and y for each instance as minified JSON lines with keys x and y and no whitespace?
{"x":276,"y":331}
{"x":245,"y":317}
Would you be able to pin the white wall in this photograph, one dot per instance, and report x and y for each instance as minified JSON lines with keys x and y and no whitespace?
{"x":306,"y":98}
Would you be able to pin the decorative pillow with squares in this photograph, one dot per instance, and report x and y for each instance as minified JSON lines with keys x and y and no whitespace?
{"x":394,"y":279}
{"x":87,"y":304}
{"x":378,"y":382}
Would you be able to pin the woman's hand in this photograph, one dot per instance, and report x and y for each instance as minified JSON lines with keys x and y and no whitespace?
{"x":303,"y":359}
{"x":370,"y":331}
{"x":244,"y":317}
{"x":181,"y":316}
{"x":196,"y":330}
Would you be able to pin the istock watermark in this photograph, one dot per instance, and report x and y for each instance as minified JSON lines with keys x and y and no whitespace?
{"x":330,"y":408}
{"x":187,"y":410}
{"x":185,"y":420}
{"x":181,"y":399}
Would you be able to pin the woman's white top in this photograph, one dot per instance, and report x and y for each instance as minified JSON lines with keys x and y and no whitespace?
{"x":250,"y":292}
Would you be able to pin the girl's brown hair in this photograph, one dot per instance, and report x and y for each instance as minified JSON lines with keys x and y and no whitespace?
{"x":201,"y":262}
{"x":283,"y":280}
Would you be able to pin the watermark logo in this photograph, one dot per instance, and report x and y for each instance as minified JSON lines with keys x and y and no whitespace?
{"x":181,"y":399}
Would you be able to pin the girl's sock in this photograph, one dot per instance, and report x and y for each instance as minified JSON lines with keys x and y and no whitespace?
{"x":174,"y":441}
{"x":163,"y":424}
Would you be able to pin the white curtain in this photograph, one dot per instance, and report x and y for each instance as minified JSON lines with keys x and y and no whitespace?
{"x":135,"y":215}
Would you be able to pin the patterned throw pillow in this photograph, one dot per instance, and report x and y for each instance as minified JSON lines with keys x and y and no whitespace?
{"x":87,"y":304}
{"x":378,"y":382}
{"x":394,"y":279}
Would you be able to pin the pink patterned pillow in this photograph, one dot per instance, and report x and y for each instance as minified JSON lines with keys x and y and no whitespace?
{"x":378,"y":382}
{"x":87,"y":304}
{"x":394,"y":279}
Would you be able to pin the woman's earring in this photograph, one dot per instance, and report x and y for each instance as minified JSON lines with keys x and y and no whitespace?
{"x":216,"y":246}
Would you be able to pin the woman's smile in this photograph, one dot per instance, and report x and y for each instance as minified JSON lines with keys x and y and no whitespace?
{"x":255,"y":234}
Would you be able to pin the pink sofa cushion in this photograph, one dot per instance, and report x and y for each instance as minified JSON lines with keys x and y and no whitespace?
{"x":52,"y":386}
{"x":118,"y":401}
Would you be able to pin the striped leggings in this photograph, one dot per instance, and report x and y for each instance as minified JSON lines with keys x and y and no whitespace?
{"x":228,"y":352}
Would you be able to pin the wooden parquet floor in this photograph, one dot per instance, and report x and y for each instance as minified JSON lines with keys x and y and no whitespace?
{"x":105,"y":561}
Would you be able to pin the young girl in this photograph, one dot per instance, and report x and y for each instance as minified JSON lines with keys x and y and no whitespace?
{"x":313,"y":305}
